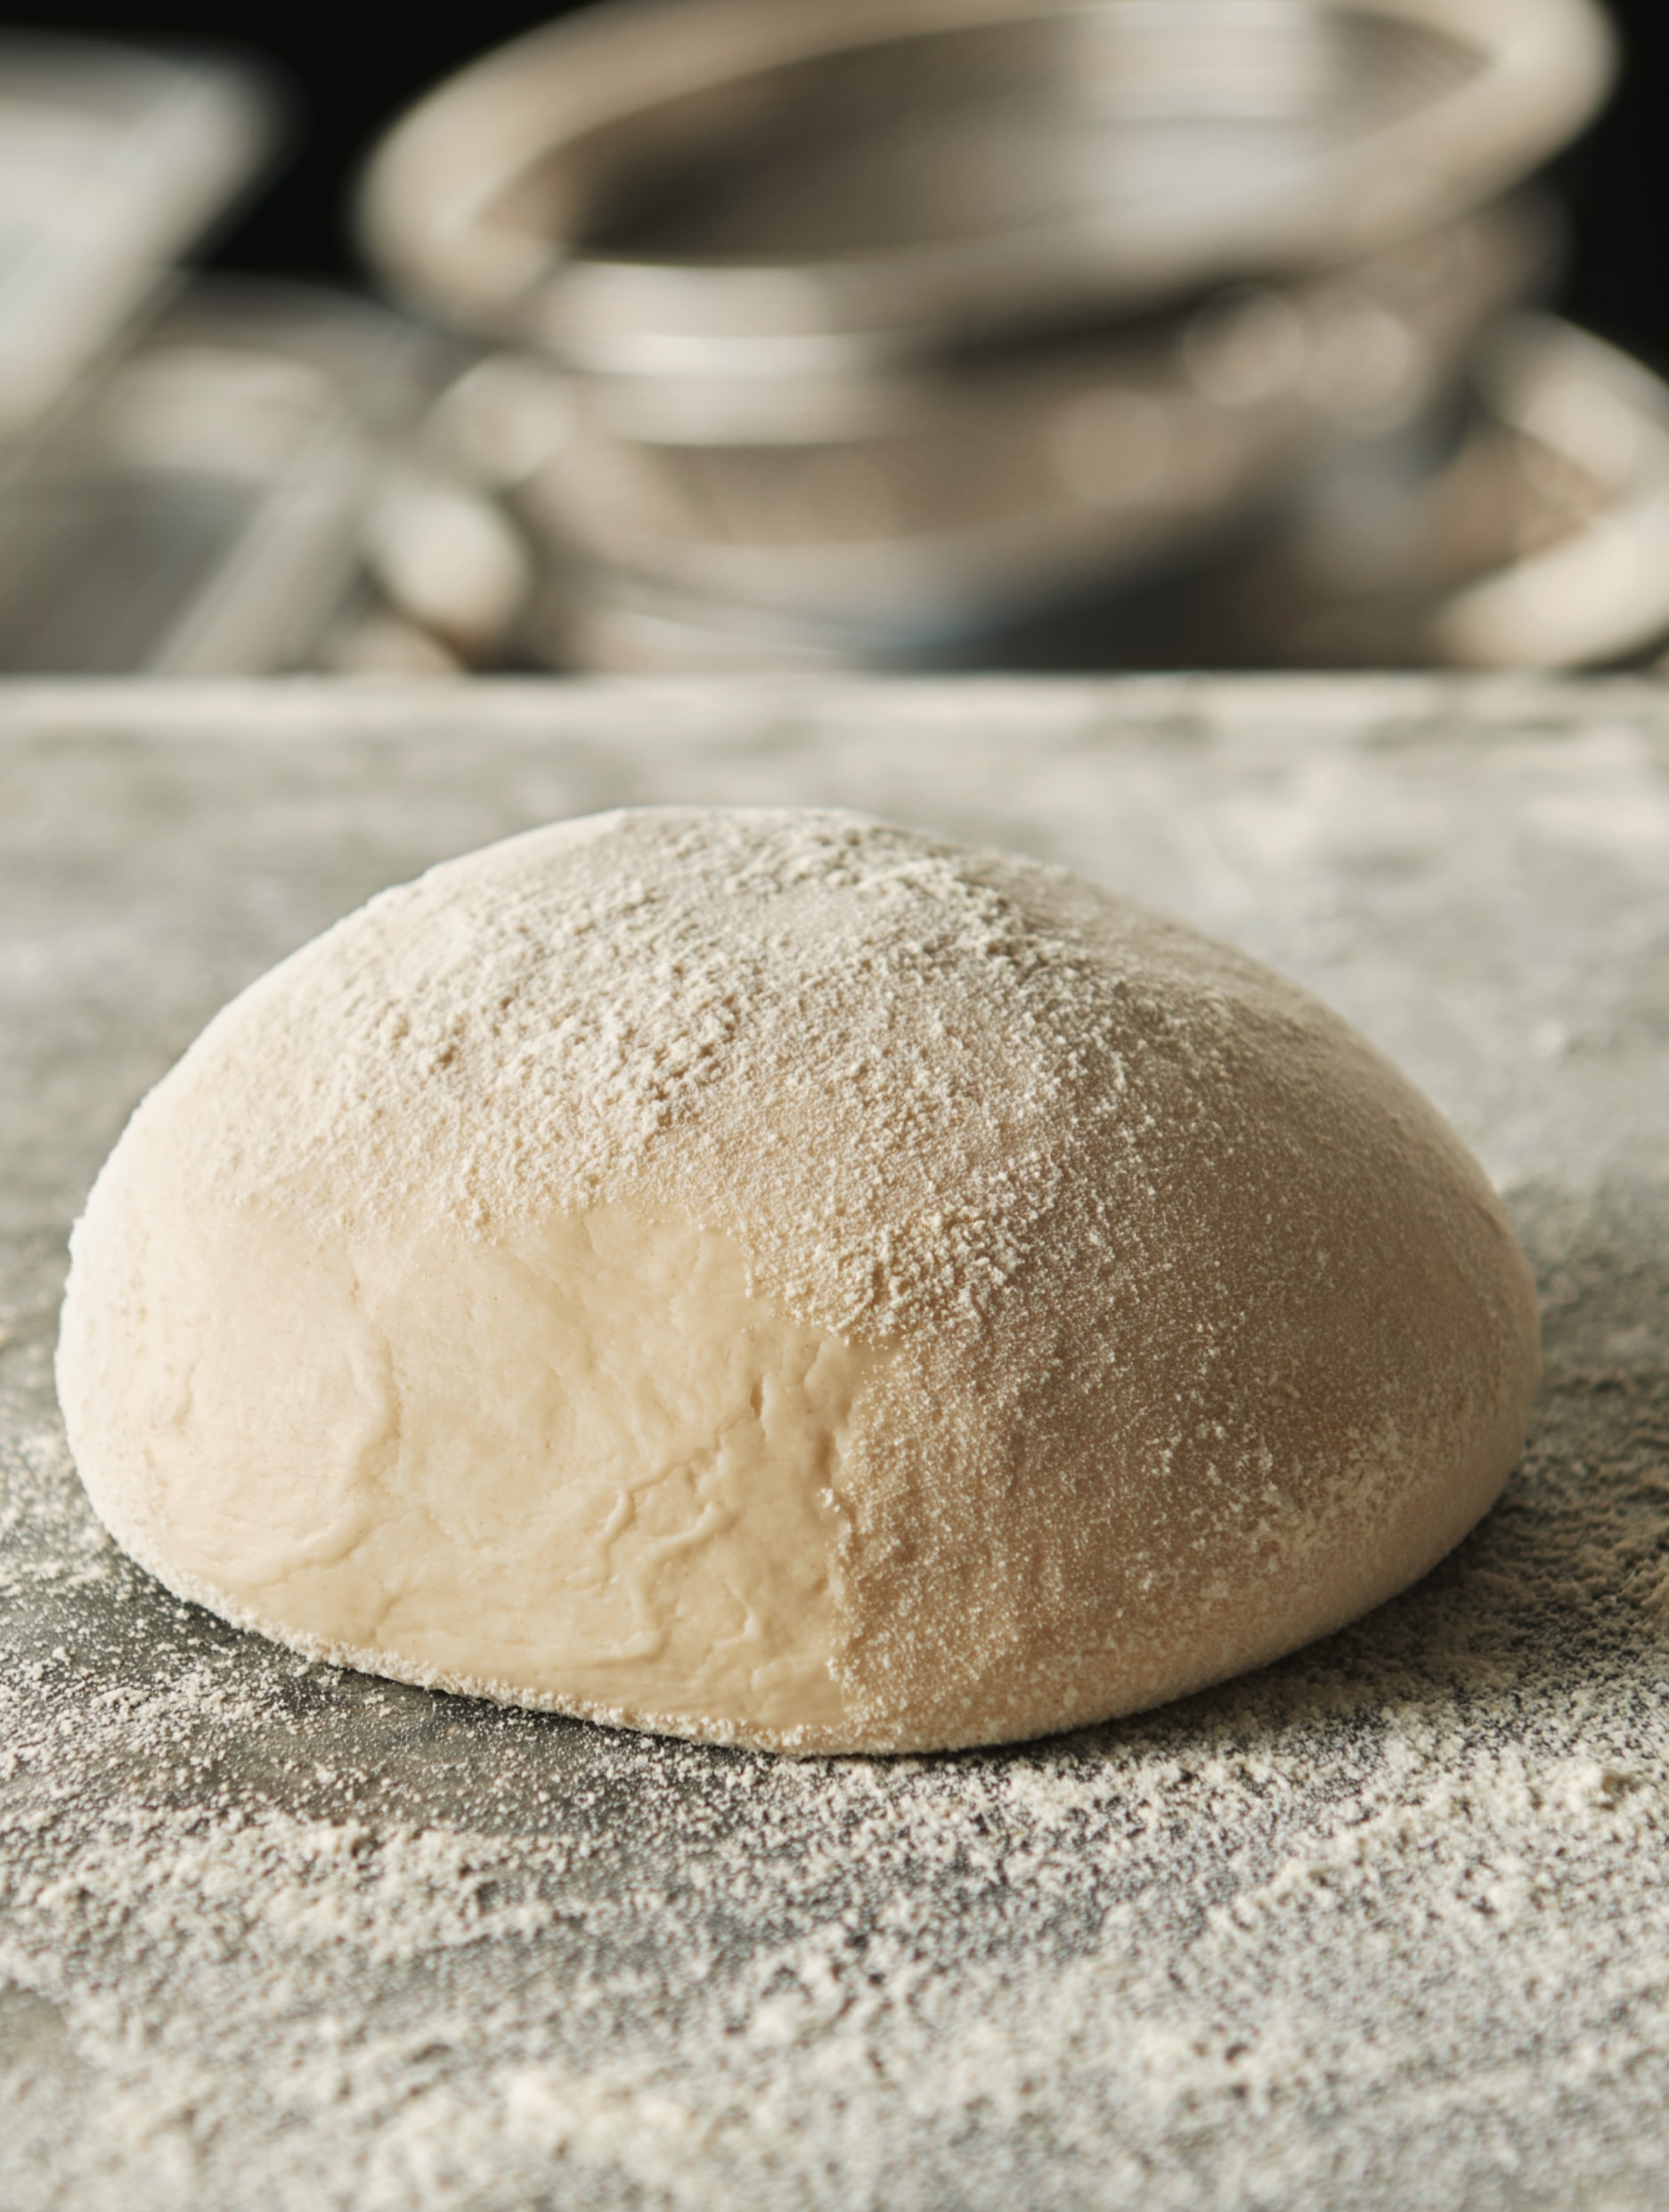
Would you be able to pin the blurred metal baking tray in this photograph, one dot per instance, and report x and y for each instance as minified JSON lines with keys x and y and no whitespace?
{"x":745,"y":187}
{"x":113,"y":160}
{"x":994,"y":483}
{"x":198,"y":511}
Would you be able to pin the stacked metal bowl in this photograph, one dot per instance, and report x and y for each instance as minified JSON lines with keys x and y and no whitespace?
{"x":1030,"y":332}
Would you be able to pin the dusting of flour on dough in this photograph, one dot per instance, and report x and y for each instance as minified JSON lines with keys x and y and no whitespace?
{"x":535,"y":1020}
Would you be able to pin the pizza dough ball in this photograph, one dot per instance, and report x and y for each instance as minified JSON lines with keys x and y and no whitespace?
{"x":779,"y":1278}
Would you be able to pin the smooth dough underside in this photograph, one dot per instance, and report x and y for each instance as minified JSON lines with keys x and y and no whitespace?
{"x":775,"y":1278}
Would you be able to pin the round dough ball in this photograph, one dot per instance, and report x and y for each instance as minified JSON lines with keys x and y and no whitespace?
{"x":779,"y":1278}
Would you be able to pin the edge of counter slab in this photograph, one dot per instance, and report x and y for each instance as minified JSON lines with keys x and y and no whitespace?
{"x":308,"y":706}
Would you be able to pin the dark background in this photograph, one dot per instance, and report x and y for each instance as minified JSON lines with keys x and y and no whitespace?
{"x":351,"y":71}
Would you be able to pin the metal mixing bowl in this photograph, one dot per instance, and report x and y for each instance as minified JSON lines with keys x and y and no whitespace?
{"x":994,"y":482}
{"x":777,"y":188}
{"x":1537,"y":536}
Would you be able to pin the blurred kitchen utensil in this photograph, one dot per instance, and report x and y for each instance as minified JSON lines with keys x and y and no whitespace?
{"x":200,"y":510}
{"x":1536,"y":537}
{"x":994,"y":482}
{"x":775,"y":188}
{"x":449,"y":562}
{"x":899,"y":333}
{"x":114,"y":160}
{"x":1542,"y":543}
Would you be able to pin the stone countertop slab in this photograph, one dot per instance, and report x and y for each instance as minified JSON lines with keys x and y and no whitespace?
{"x":1385,"y":1925}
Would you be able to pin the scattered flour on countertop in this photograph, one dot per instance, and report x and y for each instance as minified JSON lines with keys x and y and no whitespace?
{"x":346,"y":1944}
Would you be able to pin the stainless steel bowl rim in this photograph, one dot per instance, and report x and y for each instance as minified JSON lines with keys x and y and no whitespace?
{"x":432,"y":209}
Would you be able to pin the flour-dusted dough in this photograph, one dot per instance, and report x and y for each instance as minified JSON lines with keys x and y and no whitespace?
{"x":779,"y":1278}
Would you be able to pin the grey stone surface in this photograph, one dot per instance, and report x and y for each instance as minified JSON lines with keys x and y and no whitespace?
{"x":1383,"y":1926}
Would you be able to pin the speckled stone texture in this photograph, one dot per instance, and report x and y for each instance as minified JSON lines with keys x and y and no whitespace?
{"x":1386,"y":1926}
